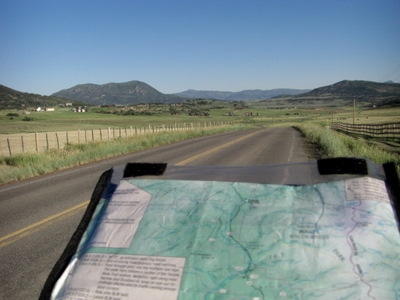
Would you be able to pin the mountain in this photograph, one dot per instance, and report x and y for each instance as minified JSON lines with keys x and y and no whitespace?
{"x":239,"y":96}
{"x":10,"y":98}
{"x":131,"y":92}
{"x":345,"y":91}
{"x":195,"y":94}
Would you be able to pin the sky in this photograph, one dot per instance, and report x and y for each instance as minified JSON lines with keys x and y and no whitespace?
{"x":176,"y":45}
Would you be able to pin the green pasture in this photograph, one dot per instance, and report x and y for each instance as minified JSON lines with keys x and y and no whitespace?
{"x":326,"y":116}
{"x":63,"y":119}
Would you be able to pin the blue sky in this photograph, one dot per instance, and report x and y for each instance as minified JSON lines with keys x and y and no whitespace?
{"x":175,"y":45}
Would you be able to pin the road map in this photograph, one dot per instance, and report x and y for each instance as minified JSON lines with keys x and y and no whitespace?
{"x":176,"y":239}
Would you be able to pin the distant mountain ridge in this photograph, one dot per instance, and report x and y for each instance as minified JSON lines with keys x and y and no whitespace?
{"x":131,"y":92}
{"x":134,"y":92}
{"x":239,"y":96}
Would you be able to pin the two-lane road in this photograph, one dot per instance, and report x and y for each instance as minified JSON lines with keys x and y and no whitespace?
{"x":38,"y":216}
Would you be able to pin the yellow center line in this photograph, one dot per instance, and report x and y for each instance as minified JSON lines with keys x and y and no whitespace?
{"x":12,"y":237}
{"x":205,"y":153}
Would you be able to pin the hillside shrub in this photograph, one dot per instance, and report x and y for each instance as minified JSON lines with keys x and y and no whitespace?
{"x":27,"y":119}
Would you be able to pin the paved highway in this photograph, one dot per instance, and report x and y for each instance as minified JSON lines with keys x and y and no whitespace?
{"x":39,"y":215}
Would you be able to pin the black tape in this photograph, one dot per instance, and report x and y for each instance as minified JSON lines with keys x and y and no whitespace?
{"x":73,"y":244}
{"x":393,"y":184}
{"x":343,"y":165}
{"x":143,"y":169}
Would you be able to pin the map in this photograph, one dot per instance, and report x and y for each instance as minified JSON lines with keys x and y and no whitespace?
{"x":175,"y":239}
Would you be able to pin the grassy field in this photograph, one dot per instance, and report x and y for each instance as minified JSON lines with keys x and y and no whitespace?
{"x":313,"y":122}
{"x":64,"y":119}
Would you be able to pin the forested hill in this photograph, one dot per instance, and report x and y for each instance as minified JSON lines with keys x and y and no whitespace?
{"x":349,"y":90}
{"x":12,"y":99}
{"x":132,"y":92}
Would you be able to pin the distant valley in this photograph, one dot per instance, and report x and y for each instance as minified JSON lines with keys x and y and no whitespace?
{"x":240,"y":96}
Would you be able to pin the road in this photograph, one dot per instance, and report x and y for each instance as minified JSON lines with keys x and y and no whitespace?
{"x":39,"y":215}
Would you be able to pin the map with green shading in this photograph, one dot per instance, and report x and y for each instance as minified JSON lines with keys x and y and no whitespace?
{"x":174,"y":239}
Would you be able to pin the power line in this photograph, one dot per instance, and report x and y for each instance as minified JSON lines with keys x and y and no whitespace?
{"x":394,"y":74}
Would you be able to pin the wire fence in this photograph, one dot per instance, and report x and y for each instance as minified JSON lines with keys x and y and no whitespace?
{"x":384,"y":131}
{"x":11,"y":144}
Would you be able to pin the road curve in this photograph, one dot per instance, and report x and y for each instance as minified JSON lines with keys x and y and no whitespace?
{"x":38,"y":216}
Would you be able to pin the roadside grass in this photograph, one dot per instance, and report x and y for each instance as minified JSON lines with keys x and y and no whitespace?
{"x":329,"y":143}
{"x":22,"y":166}
{"x":332,"y":144}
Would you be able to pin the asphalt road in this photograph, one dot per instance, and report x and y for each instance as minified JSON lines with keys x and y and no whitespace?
{"x":38,"y":216}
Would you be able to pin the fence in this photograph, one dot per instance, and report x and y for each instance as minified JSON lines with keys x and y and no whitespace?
{"x":45,"y":141}
{"x":383,"y":131}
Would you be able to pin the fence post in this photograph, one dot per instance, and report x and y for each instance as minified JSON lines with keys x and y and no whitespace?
{"x":66,"y":134}
{"x":58,"y":141}
{"x":92,"y":135}
{"x":47,"y":141}
{"x":37,"y":142}
{"x":394,"y":129}
{"x":79,"y":133}
{"x":9,"y":146}
{"x":22,"y":144}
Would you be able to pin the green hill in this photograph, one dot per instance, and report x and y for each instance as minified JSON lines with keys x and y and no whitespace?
{"x":12,"y":99}
{"x":345,"y":91}
{"x":132,"y":92}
